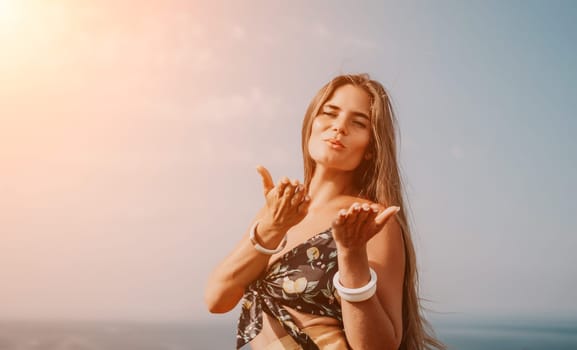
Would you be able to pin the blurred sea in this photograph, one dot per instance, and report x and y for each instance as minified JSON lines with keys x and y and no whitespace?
{"x":458,"y":333}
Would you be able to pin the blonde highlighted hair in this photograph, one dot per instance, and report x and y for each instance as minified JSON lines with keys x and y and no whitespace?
{"x":379,"y":181}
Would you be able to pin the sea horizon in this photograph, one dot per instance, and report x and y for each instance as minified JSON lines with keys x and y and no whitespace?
{"x":458,"y":331}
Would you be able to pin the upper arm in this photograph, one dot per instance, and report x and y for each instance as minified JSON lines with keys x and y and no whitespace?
{"x":386,"y":253}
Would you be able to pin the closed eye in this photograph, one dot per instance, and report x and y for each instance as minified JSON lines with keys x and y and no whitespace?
{"x":361,"y":124}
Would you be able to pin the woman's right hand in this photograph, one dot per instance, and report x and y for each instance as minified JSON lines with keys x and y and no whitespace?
{"x":286,"y":203}
{"x":285,"y":207}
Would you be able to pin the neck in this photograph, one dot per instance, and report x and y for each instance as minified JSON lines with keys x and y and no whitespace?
{"x":328,"y":184}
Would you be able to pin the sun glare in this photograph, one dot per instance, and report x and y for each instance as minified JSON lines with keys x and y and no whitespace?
{"x":11,"y":16}
{"x":8,"y":12}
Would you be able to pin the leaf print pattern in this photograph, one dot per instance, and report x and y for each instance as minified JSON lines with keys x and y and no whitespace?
{"x":300,"y":279}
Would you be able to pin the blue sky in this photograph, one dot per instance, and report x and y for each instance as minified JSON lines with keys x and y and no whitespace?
{"x":131,"y":133}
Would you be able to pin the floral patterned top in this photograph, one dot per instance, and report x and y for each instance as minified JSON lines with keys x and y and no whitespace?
{"x":300,"y":279}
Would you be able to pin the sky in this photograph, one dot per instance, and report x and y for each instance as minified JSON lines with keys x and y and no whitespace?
{"x":130,"y":132}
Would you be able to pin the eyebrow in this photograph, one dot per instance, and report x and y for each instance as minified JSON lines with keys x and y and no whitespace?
{"x":356,"y":114}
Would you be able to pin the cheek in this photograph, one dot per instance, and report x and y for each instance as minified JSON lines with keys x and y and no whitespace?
{"x":316,"y":131}
{"x":362,"y":142}
{"x":316,"y":127}
{"x":315,"y":143}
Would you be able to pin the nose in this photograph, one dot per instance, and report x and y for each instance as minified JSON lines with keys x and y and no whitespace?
{"x":339,"y":126}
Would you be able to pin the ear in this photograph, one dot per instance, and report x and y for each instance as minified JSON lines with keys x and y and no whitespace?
{"x":368,"y":155}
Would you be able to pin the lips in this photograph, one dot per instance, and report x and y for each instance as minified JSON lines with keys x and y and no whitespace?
{"x":335,"y":143}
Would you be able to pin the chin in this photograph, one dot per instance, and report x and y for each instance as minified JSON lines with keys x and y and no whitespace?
{"x":334,"y":164}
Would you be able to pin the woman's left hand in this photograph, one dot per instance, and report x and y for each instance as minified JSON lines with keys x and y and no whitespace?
{"x":353,"y":228}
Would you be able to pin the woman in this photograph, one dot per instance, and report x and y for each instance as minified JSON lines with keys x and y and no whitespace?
{"x":329,"y":263}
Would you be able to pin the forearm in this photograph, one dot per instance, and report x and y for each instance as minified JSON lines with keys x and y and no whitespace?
{"x":367,"y":324}
{"x":286,"y":205}
{"x":228,"y":281}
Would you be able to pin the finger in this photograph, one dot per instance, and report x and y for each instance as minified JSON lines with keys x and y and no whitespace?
{"x":384,"y":216}
{"x":364,"y":214}
{"x":285,"y":196}
{"x":295,"y":184}
{"x":282,"y":184}
{"x":341,"y":218}
{"x":298,"y":195}
{"x":373,"y":213}
{"x":267,"y":182}
{"x":304,"y":205}
{"x":353,"y":214}
{"x":288,"y":191}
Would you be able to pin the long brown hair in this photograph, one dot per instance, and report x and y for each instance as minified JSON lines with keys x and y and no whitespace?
{"x":380,"y":182}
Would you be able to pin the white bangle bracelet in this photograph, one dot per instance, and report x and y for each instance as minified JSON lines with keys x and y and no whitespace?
{"x":356,"y":295}
{"x":262,"y":249}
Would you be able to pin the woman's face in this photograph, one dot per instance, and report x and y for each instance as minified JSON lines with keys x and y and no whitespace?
{"x":342,"y":129}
